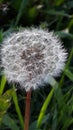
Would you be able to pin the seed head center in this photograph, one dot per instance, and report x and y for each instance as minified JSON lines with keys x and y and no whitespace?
{"x":33,"y":58}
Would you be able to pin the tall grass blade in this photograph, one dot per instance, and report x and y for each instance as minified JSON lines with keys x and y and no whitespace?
{"x":67,"y":65}
{"x":2,"y":85}
{"x":53,"y":83}
{"x":22,"y":8}
{"x":44,"y":107}
{"x":69,"y":74}
{"x":17,"y":107}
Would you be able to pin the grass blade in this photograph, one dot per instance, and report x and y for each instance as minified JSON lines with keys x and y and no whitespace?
{"x":67,"y":65}
{"x":2,"y":85}
{"x":22,"y":7}
{"x":44,"y":107}
{"x":17,"y":107}
{"x":69,"y":74}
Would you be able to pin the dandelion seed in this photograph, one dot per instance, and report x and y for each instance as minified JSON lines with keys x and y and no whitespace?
{"x":31,"y":55}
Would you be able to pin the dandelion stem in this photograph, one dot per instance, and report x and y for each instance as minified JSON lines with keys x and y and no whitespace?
{"x":27,"y":110}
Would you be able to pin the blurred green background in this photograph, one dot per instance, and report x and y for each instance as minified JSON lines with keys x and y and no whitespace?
{"x":54,"y":102}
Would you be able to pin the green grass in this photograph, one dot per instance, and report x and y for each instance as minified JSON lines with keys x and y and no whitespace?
{"x":53,"y":103}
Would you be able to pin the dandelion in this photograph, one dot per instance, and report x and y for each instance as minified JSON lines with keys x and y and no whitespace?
{"x":30,"y":56}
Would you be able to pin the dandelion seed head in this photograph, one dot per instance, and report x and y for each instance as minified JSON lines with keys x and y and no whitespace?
{"x":29,"y":56}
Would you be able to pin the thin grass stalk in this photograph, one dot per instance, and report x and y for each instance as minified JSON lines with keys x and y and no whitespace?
{"x":68,"y":62}
{"x":15,"y":99}
{"x":2,"y":85}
